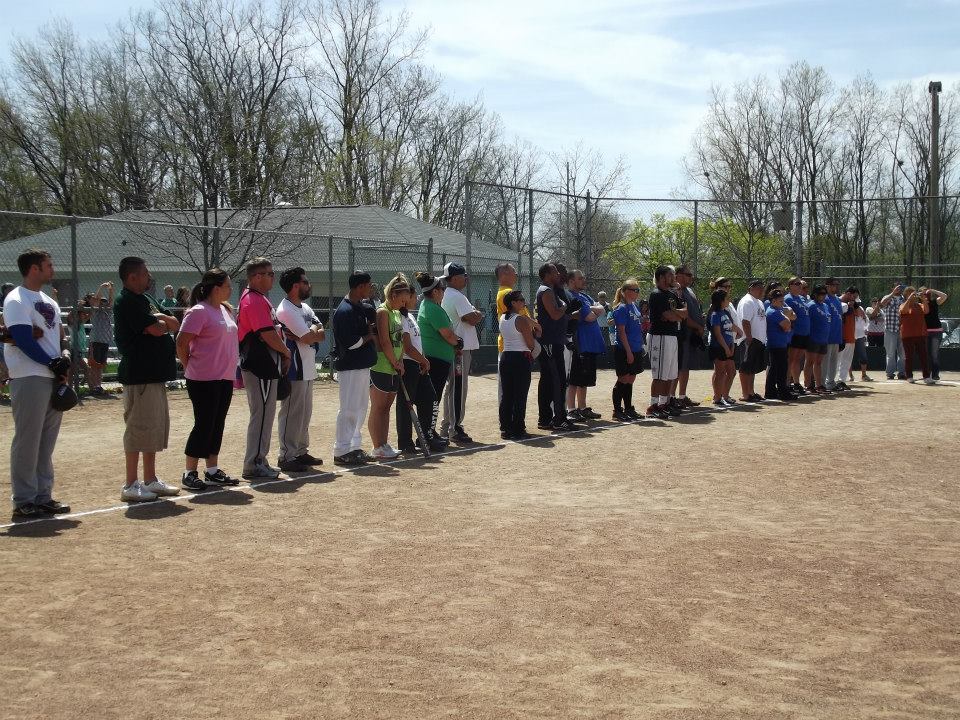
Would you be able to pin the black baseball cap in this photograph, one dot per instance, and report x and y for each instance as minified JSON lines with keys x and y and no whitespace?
{"x":452,"y":269}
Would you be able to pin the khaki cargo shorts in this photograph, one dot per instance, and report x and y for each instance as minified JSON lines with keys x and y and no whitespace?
{"x":147,"y":417}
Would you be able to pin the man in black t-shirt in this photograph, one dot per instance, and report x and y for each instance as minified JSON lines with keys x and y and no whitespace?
{"x":666,"y":316}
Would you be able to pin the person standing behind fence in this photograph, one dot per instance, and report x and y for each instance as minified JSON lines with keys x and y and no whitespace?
{"x":101,"y":335}
{"x":464,"y":317}
{"x":303,"y":331}
{"x":265,"y":358}
{"x":147,"y":362}
{"x":875,"y":324}
{"x":182,"y":302}
{"x":514,"y":367}
{"x":169,"y":302}
{"x":355,"y":352}
{"x":934,"y":299}
{"x":913,"y":330}
{"x":208,"y":350}
{"x":36,"y":363}
{"x":892,"y":343}
{"x":440,"y":344}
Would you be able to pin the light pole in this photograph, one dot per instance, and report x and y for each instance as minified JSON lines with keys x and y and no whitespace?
{"x":935,"y":88}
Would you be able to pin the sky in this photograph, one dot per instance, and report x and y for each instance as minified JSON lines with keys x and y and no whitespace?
{"x":629,"y":78}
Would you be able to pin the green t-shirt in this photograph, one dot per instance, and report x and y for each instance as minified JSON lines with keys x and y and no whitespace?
{"x":431,"y":318}
{"x":143,"y":358}
{"x":396,"y":340}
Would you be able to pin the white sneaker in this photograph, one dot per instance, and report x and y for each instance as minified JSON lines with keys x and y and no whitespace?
{"x":159,"y":487}
{"x":137,"y":492}
{"x":385,"y":452}
{"x":929,"y":381}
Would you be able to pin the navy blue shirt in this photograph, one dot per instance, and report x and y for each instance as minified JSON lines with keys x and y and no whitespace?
{"x":554,"y":331}
{"x":629,"y":316}
{"x":819,"y":322}
{"x":777,"y":337}
{"x":350,"y":325}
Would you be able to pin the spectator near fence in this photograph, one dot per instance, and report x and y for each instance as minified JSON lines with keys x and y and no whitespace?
{"x":892,"y":342}
{"x":875,"y":324}
{"x":754,"y":323}
{"x":913,"y":331}
{"x":934,"y":299}
{"x":147,"y":362}
{"x":464,"y":318}
{"x":169,"y":302}
{"x":101,"y":335}
{"x":208,"y":349}
{"x":303,"y":332}
{"x":265,"y":358}
{"x":36,"y":363}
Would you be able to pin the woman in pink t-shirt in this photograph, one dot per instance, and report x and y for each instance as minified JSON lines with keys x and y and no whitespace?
{"x":207,"y":348}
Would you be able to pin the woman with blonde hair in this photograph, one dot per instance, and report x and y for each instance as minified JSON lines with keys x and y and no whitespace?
{"x":386,"y":373}
{"x":627,"y":349}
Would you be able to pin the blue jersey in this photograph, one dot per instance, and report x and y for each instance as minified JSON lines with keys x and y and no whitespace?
{"x":722,"y":320}
{"x":801,"y":326}
{"x":589,"y":334}
{"x":836,"y":319}
{"x":777,"y":337}
{"x":629,"y":316}
{"x":819,"y":322}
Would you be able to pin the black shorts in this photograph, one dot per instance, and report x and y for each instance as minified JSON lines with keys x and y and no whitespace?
{"x":98,"y":352}
{"x":683,"y":351}
{"x":817,"y":348}
{"x":801,"y":342}
{"x":716,"y":352}
{"x":583,"y":370}
{"x":385,"y":382}
{"x":622,"y":367}
{"x":754,"y":358}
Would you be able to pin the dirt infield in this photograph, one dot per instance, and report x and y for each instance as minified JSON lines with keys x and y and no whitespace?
{"x":774,"y":562}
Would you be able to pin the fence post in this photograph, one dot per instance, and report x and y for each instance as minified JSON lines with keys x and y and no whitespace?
{"x":588,"y":238}
{"x":351,"y":255}
{"x":443,"y":259}
{"x":330,"y":295}
{"x":468,"y":230}
{"x":75,"y":301}
{"x":798,"y":239}
{"x":430,"y":255}
{"x":533,"y":282}
{"x":696,"y":237}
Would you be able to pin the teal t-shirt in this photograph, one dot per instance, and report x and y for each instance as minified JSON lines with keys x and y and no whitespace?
{"x":431,"y":318}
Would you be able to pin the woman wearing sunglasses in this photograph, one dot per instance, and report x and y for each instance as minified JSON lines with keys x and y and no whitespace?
{"x":627,"y":350}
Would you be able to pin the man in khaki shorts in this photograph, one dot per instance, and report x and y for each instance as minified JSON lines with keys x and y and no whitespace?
{"x":147,"y":362}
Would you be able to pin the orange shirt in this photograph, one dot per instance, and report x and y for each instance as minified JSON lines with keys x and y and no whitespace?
{"x":850,"y":328}
{"x":912,"y":323}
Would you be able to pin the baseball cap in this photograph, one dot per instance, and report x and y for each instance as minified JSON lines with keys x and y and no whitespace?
{"x":451,"y":269}
{"x":756,"y":282}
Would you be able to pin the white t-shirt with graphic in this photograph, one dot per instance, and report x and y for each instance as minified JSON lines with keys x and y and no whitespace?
{"x":36,"y":309}
{"x":298,"y":320}
{"x":752,"y":310}
{"x":408,"y":324}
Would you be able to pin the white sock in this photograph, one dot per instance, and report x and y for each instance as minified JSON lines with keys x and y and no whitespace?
{"x":683,"y":397}
{"x":212,"y":470}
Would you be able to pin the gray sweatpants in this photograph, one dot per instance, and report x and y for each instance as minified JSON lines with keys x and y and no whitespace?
{"x":35,"y":429}
{"x":262,"y":400}
{"x":294,"y":427}
{"x":831,"y":362}
{"x":455,"y":396}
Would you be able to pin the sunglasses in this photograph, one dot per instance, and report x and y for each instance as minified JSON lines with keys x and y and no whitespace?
{"x":631,"y":289}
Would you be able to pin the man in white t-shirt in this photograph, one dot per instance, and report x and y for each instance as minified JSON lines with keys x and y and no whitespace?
{"x":302,"y":331}
{"x":753,"y":321}
{"x":464,"y":317}
{"x":36,"y":364}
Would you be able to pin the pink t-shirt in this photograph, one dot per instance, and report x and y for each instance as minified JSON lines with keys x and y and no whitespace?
{"x":214,"y":350}
{"x":254,"y":313}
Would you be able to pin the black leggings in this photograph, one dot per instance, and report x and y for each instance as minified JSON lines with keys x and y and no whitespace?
{"x":439,"y":370}
{"x":515,"y":383}
{"x":420,"y":389}
{"x":211,"y":401}
{"x":777,"y":374}
{"x":552,"y":389}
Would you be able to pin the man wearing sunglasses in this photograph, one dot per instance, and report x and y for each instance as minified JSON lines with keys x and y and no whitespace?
{"x":666,"y":316}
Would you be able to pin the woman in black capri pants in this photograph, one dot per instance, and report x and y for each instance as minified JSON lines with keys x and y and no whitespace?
{"x":440,"y":345}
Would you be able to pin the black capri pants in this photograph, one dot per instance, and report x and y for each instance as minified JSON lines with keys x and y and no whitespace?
{"x":439,"y":371}
{"x":420,"y":389}
{"x":211,"y":402}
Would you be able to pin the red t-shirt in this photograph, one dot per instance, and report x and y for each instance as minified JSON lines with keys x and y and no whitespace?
{"x":255,"y":313}
{"x":912,"y":323}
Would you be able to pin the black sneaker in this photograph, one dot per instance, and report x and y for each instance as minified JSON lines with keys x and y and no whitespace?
{"x":53,"y":507}
{"x":523,"y":436}
{"x":308,"y":459}
{"x":620,"y":416}
{"x":565,"y":426}
{"x":632,"y":414}
{"x":756,"y":397}
{"x":460,"y":436}
{"x":545,"y":425}
{"x":220,"y":478}
{"x":670,"y":410}
{"x":355,"y":457}
{"x":27,"y":510}
{"x":575,"y":416}
{"x":191,"y":481}
{"x":292,"y":466}
{"x":589,"y":414}
{"x":409,"y":450}
{"x":656,"y":413}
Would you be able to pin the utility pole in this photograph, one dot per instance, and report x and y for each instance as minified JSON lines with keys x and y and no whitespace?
{"x":934,"y":190}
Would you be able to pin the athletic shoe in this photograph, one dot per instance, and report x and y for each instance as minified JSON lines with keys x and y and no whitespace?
{"x":434,"y":444}
{"x":261,"y":471}
{"x":589,"y":414}
{"x":841,"y":387}
{"x":730,"y":401}
{"x":27,"y":510}
{"x":670,"y":409}
{"x":220,"y":478}
{"x":798,"y":389}
{"x":137,"y":492}
{"x":161,"y":489}
{"x":524,"y":436}
{"x":822,"y":390}
{"x":191,"y":481}
{"x":889,"y":377}
{"x":385,"y":452}
{"x":620,"y":416}
{"x":720,"y":404}
{"x":756,"y":397}
{"x":545,"y":425}
{"x":575,"y":416}
{"x":686,"y":403}
{"x":53,"y":507}
{"x":929,"y":381}
{"x":866,"y":378}
{"x":293,"y":466}
{"x":654,"y":412}
{"x":460,"y":436}
{"x":631,"y":412}
{"x":308,"y":459}
{"x":565,"y":426}
{"x":937,"y":378}
{"x":901,"y":377}
{"x":351,"y":458}
{"x":410,"y":449}
{"x":912,"y":381}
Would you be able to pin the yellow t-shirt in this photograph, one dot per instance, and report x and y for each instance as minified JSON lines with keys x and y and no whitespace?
{"x":502,"y":310}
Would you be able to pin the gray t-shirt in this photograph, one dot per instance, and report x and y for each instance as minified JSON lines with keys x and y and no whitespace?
{"x":694,"y":311}
{"x":101,"y":325}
